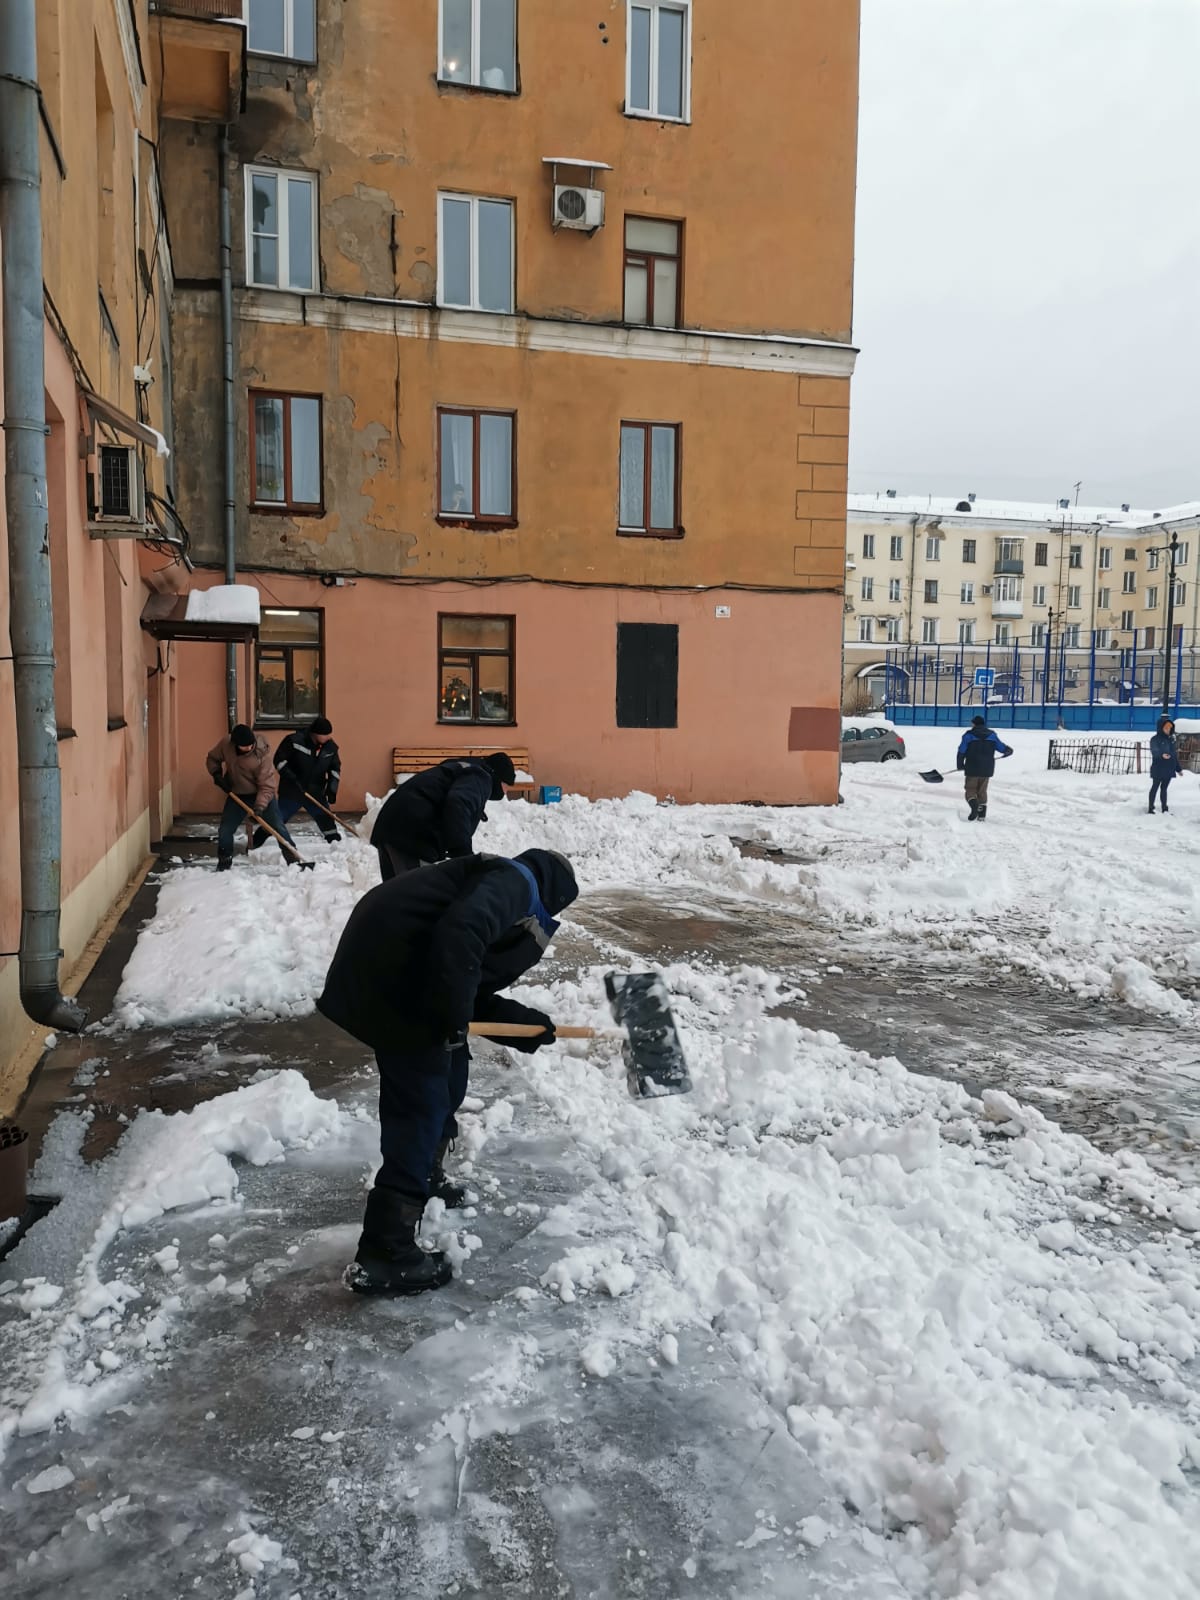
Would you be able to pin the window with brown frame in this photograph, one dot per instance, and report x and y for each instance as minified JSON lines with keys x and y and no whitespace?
{"x":286,"y":452}
{"x":649,"y":497}
{"x":291,"y":661}
{"x":477,"y":466}
{"x":476,"y":669}
{"x":652,"y":275}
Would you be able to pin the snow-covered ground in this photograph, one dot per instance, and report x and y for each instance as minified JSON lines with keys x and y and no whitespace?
{"x":980,"y":1328}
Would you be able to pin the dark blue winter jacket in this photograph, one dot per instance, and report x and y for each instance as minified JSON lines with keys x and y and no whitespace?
{"x":977,"y":752}
{"x":1164,"y":752}
{"x":428,"y":952}
{"x":435,"y":814}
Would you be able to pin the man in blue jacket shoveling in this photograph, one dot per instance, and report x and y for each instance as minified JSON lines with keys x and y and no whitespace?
{"x":977,"y":759}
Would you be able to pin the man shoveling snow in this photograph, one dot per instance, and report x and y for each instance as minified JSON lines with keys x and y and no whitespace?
{"x":421,"y":957}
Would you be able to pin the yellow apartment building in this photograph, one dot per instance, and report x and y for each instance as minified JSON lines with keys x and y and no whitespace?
{"x":540,"y":339}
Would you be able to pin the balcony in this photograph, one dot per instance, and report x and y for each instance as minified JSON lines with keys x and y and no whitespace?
{"x":1009,"y":568}
{"x":199,"y":54}
{"x":1008,"y":608}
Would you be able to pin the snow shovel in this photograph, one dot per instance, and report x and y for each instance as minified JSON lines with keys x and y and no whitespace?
{"x":305,"y":866}
{"x":932,"y":777}
{"x":654,"y":1060}
{"x":344,"y":826}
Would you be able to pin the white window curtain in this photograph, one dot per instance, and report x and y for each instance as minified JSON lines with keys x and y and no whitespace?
{"x":458,"y":469}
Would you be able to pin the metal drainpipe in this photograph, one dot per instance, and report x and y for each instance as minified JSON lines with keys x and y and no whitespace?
{"x":226,"y":236}
{"x":31,"y":618}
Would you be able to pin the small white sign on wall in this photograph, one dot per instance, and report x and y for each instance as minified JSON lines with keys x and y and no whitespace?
{"x":723,"y":611}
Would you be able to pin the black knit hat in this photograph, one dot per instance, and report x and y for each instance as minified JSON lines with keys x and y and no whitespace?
{"x":242,"y":736}
{"x":501,"y":766}
{"x":979,"y":722}
{"x":320,"y":725}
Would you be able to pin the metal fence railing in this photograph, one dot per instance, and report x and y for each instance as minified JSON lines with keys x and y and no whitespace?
{"x":1113,"y":756}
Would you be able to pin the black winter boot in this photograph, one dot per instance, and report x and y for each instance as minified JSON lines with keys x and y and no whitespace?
{"x":441,"y":1187}
{"x":974,"y":811}
{"x":981,"y":816}
{"x":224,"y":863}
{"x":258,"y":839}
{"x":389,"y":1259}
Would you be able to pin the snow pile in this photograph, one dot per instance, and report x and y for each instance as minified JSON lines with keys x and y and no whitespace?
{"x":225,"y":602}
{"x":79,"y":1328}
{"x":934,"y":1290}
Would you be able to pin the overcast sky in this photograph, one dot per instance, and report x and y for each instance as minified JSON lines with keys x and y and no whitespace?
{"x":1027,"y":296}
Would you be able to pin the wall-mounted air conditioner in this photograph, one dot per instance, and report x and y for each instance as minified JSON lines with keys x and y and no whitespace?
{"x":120,"y":492}
{"x":578,"y":208}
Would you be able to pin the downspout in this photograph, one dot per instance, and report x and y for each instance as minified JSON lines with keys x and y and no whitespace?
{"x":912,"y":577}
{"x":226,"y":237}
{"x":31,"y":617}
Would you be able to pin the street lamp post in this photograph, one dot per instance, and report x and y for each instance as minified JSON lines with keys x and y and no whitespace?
{"x":1166,"y":690}
{"x":1046,"y":665}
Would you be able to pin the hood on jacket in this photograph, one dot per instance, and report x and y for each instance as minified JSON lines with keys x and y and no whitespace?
{"x":555,"y":878}
{"x":1163,"y":724}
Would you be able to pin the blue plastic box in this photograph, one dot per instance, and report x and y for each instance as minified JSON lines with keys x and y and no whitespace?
{"x":549,"y":794}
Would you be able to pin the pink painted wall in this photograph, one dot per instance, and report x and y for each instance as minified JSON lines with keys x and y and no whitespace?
{"x":741,"y":679}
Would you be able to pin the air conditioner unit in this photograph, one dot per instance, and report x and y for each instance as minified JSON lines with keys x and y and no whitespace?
{"x":120,"y":491}
{"x":985,"y":588}
{"x":578,"y":208}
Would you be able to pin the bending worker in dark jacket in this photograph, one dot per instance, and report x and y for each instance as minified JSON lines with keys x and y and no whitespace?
{"x":977,"y":758}
{"x":436,"y":812}
{"x":308,"y":763}
{"x":420,"y":958}
{"x":1164,"y":761}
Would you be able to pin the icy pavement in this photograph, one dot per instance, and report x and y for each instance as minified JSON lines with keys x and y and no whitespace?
{"x":903,"y":1299}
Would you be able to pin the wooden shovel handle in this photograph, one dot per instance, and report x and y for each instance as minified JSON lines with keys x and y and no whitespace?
{"x":530,"y":1030}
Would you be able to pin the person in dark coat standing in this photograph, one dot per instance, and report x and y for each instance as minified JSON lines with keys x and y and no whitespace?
{"x":1164,"y":761}
{"x":240,"y":764}
{"x":308,"y":763}
{"x":436,"y":812}
{"x":421,"y":957}
{"x":977,"y":759}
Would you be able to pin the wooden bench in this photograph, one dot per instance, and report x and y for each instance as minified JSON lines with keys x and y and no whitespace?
{"x":407,"y":761}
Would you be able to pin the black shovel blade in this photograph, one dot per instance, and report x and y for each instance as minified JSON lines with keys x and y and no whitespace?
{"x":932,"y":777}
{"x":654,"y":1060}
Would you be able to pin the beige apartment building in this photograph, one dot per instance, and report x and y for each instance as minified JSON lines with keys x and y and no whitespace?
{"x":1015,"y":576}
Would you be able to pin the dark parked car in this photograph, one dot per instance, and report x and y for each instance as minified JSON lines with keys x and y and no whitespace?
{"x":872,"y":743}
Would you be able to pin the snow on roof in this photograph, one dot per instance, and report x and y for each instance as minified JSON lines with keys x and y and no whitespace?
{"x":228,"y":602}
{"x":1136,"y":520}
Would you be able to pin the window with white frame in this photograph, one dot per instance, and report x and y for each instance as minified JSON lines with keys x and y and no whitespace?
{"x":1181,"y":555}
{"x":1129,"y":583}
{"x":929,"y":630}
{"x":1103,"y":599}
{"x":896,"y":550}
{"x":1103,"y":639}
{"x":1071,"y":636}
{"x":479,"y":44}
{"x":1004,"y":633}
{"x":891,"y":628}
{"x":966,"y":632}
{"x":868,"y":546}
{"x":933,"y":549}
{"x":281,"y":28}
{"x":1039,"y":594}
{"x":475,"y":252}
{"x":281,"y":228}
{"x":1007,"y":589}
{"x":894,"y":589}
{"x":1074,"y":597}
{"x":866,"y":630}
{"x":1152,"y":599}
{"x":1180,"y":593}
{"x":1127,"y":621}
{"x":868,"y":588}
{"x":1076,"y":556}
{"x":966,"y":594}
{"x":658,"y":59}
{"x":1037,"y":634}
{"x":1105,"y":557}
{"x":1152,"y":560}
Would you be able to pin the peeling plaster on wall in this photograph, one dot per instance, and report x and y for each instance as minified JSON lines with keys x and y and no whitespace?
{"x":360,"y":224}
